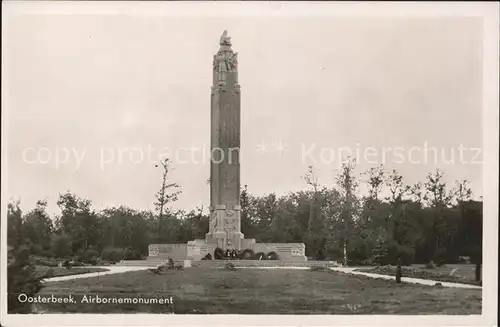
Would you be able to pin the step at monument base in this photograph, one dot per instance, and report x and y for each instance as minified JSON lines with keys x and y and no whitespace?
{"x":237,"y":263}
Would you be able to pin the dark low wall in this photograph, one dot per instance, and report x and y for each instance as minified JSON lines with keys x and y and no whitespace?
{"x":262,"y":263}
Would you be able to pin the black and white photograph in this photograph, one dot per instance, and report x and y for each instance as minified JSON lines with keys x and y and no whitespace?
{"x":249,"y":163}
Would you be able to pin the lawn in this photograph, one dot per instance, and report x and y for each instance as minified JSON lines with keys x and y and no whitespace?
{"x":448,"y":273}
{"x":261,"y":291}
{"x":57,"y":272}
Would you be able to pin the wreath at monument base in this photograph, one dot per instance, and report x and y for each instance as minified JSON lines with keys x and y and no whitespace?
{"x":260,"y":256}
{"x":219,"y":254}
{"x":207,"y":257}
{"x":273,"y":256}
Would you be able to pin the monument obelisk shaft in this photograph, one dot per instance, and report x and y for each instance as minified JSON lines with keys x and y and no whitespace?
{"x":225,"y":226}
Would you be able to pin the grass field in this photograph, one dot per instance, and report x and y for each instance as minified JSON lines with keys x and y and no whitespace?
{"x":448,"y":273}
{"x":57,"y":272}
{"x":259,"y":291}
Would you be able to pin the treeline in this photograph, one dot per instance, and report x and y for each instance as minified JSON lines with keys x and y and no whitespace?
{"x":428,"y":221}
{"x":83,"y":234}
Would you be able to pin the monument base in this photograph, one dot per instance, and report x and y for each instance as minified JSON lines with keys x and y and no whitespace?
{"x":197,"y":249}
{"x":220,"y":239}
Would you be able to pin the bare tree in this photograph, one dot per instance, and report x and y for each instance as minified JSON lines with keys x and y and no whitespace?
{"x":436,"y":191}
{"x":438,"y":197}
{"x":462,"y":191}
{"x":372,"y":206}
{"x":312,"y":180}
{"x":375,"y":177}
{"x":399,"y":190}
{"x":416,"y":193}
{"x":168,"y":193}
{"x":375,"y":180}
{"x":315,"y":225}
{"x":349,"y":201}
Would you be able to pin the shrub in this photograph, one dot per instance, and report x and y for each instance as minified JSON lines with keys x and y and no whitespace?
{"x":132,"y":254}
{"x":49,"y":273}
{"x":380,"y":255}
{"x":476,"y":254}
{"x":463,"y":260}
{"x":47,"y":253}
{"x":46,"y":262}
{"x":390,"y":252}
{"x":21,"y":278}
{"x":273,"y":256}
{"x":355,"y":262}
{"x":88,"y":256}
{"x":357,"y":254}
{"x":218,"y":254}
{"x":113,"y":254}
{"x":441,"y":256}
{"x":76,"y":263}
{"x":34,"y":248}
{"x":67,"y":264}
{"x":61,"y":245}
{"x":406,"y":254}
{"x":260,"y":256}
{"x":430,"y":265}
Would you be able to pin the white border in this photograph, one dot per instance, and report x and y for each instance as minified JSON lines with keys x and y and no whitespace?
{"x":487,"y":10}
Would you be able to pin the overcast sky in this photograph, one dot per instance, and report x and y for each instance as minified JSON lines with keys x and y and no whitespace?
{"x":91,"y":85}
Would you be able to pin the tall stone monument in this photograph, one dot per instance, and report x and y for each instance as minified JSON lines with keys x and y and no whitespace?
{"x":224,"y":227}
{"x":225,"y":211}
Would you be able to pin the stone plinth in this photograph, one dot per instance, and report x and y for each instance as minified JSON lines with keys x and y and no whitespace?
{"x":285,"y":251}
{"x":197,"y":249}
{"x":225,"y":227}
{"x":175,"y":251}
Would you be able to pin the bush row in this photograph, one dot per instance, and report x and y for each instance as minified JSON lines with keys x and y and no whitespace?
{"x":91,"y":257}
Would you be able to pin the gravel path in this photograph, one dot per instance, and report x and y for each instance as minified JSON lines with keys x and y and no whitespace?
{"x":406,"y":279}
{"x":111,"y":270}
